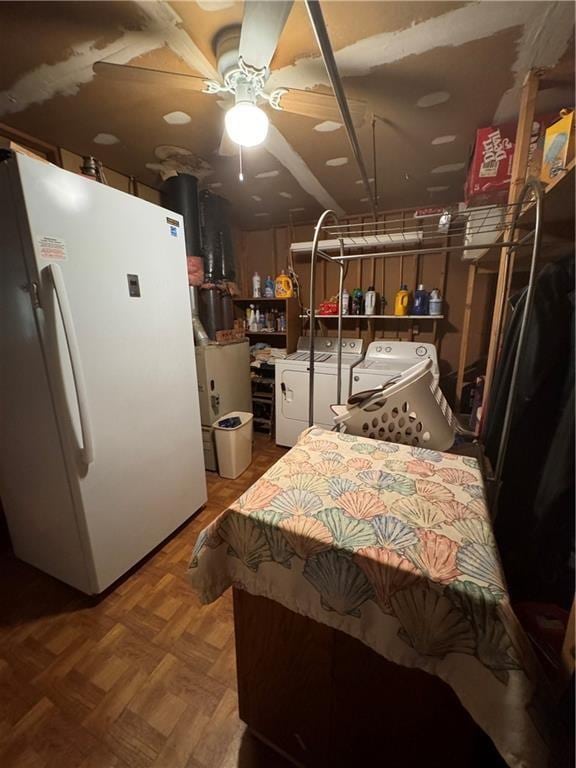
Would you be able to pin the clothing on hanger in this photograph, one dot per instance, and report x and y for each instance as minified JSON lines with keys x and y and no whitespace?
{"x":534,"y":527}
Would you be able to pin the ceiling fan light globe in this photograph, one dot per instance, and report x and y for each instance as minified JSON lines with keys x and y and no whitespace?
{"x":246,"y":124}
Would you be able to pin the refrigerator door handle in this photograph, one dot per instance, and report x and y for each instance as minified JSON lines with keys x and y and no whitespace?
{"x":76,"y":363}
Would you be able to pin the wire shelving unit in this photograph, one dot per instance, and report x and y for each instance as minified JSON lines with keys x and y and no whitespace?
{"x":477,"y":229}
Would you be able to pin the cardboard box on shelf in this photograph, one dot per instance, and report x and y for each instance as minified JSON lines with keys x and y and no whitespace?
{"x":558,"y":147}
{"x":490,"y":171}
{"x":227,"y":337}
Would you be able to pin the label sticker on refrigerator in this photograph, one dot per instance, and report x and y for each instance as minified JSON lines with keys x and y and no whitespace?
{"x":52,"y":248}
{"x":174,"y":231}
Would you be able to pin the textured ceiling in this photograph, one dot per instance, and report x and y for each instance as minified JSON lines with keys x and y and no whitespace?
{"x":396,"y":56}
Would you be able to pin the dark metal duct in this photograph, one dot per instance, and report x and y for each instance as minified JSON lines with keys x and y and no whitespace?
{"x":180,"y":194}
{"x":211,"y":311}
{"x":219,"y":264}
{"x":200,"y":334}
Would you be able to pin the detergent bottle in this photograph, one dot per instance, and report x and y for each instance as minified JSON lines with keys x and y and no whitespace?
{"x":370,"y":301}
{"x":401,"y":301}
{"x":421,"y":300}
{"x":284,"y":288}
{"x":268,"y":288}
{"x":435,"y":302}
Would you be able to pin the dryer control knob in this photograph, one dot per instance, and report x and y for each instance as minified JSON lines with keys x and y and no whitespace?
{"x":328,"y":343}
{"x":378,"y":349}
{"x":356,"y":378}
{"x":352,"y":344}
{"x":343,"y":344}
{"x":421,"y":351}
{"x":387,"y":349}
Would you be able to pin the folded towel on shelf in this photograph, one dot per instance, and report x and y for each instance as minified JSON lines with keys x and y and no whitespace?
{"x":262,"y":353}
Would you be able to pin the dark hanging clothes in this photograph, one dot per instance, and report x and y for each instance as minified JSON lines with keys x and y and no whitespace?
{"x":535,"y":523}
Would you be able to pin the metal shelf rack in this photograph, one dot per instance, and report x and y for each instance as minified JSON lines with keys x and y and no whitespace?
{"x":342,"y":243}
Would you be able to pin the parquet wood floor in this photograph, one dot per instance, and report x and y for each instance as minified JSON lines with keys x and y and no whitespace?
{"x":143,"y":677}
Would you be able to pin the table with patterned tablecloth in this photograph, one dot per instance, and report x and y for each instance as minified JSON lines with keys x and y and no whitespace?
{"x":392,"y":545}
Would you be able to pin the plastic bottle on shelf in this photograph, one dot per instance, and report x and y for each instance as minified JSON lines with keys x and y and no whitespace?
{"x":283,"y":286}
{"x":252,"y":319}
{"x":256,"y":286}
{"x":402,"y":301}
{"x":282,"y":322}
{"x":421,"y":301}
{"x":435,"y":303}
{"x":357,"y":298}
{"x":345,"y":302}
{"x":370,"y":301}
{"x":269,"y":287}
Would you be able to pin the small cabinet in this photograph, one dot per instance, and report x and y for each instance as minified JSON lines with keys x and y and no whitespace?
{"x":263,"y":397}
{"x":325,"y":699}
{"x":284,"y":674}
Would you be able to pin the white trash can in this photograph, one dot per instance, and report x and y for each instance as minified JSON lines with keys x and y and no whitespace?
{"x":234,"y":445}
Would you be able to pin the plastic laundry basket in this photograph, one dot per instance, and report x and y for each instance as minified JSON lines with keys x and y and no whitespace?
{"x":411,"y":409}
{"x":234,"y":445}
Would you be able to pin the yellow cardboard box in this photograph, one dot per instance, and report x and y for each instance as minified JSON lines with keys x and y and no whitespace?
{"x":558,"y":147}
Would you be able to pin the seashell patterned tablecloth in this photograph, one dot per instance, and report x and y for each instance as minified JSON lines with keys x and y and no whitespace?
{"x":392,"y":545}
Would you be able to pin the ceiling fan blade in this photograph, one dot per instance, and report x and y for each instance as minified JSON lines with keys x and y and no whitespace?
{"x":227,"y":148}
{"x":262,"y":26}
{"x":322,"y":106}
{"x":154,"y":77}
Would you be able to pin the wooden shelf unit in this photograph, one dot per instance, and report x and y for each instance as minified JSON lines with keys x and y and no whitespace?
{"x":557,"y":231}
{"x":558,"y":224}
{"x":263,"y":379}
{"x":369,"y":323}
{"x":377,"y":317}
{"x":265,"y":333}
{"x":280,"y":339}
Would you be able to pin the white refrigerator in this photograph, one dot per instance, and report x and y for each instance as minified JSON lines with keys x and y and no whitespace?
{"x":100,"y":438}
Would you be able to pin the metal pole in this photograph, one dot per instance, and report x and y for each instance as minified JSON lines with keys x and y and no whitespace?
{"x":536,"y":189}
{"x":319,"y":26}
{"x":339,"y":352}
{"x":439,"y":249}
{"x":374,"y":168}
{"x":314,"y":254}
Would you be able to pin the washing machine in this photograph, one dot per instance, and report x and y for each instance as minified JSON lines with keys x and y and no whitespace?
{"x":291,"y":385}
{"x":385,"y":359}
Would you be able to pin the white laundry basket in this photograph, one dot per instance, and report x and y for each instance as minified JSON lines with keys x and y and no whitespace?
{"x":234,"y":445}
{"x":411,"y":409}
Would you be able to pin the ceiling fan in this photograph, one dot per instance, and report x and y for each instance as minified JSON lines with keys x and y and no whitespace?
{"x":243,"y":54}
